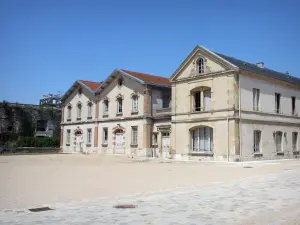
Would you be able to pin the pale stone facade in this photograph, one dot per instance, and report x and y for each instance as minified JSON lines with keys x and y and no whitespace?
{"x":213,"y":107}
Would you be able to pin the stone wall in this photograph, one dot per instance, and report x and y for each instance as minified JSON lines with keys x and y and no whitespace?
{"x":21,"y":119}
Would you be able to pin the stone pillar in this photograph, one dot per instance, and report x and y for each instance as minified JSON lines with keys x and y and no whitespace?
{"x":97,"y":110}
{"x":147,"y":102}
{"x":61,"y":139}
{"x":96,"y":137}
{"x":147,"y":138}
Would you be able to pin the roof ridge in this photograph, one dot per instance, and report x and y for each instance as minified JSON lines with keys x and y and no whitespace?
{"x":143,"y":73}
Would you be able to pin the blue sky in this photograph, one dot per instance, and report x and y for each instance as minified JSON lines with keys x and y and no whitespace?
{"x":46,"y":45}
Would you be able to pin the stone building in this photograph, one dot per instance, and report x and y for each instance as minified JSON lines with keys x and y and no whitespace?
{"x":222,"y":108}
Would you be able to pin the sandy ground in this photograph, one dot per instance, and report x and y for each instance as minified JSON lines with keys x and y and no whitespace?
{"x":35,"y":180}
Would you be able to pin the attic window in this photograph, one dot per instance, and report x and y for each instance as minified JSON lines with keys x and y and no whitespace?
{"x":120,"y":81}
{"x":80,"y":91}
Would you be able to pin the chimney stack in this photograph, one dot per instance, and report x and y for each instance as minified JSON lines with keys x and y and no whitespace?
{"x":260,"y":64}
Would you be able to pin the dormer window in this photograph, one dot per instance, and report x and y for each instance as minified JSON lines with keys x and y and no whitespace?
{"x":120,"y":81}
{"x":201,"y":66}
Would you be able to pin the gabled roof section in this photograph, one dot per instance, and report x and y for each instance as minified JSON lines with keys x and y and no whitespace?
{"x":263,"y":71}
{"x":194,"y":52}
{"x":149,"y":78}
{"x":142,"y":78}
{"x":91,"y":86}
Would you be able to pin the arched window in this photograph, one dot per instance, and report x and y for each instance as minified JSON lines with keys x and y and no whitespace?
{"x":202,"y":139}
{"x":79,"y":108}
{"x":201,"y":65}
{"x":105,"y":107}
{"x":119,"y":105}
{"x":69,"y":112}
{"x":135,"y":103}
{"x":90,"y":110}
{"x":201,"y":99}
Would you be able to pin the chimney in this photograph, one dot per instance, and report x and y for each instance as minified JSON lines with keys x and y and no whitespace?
{"x":260,"y":64}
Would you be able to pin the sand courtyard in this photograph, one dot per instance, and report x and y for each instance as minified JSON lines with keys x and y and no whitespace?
{"x":83,"y":189}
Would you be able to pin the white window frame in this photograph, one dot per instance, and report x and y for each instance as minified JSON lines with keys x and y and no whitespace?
{"x":68,"y":139}
{"x":134,"y":135}
{"x":256,"y":141}
{"x":198,"y":137}
{"x":79,"y":110}
{"x":105,"y":136}
{"x":69,"y":112}
{"x":135,"y":103}
{"x":119,"y":105}
{"x":89,"y":136}
{"x":201,"y":66}
{"x":295,"y":145}
{"x":90,"y":110}
{"x":256,"y":99}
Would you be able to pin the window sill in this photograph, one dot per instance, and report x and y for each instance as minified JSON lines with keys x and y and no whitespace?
{"x":133,"y":145}
{"x":88,"y":145}
{"x":104,"y":145}
{"x":105,"y":116}
{"x":119,"y":114}
{"x":134,"y":112}
{"x":78,"y":119}
{"x":67,"y":144}
{"x":201,"y":153}
{"x":280,"y":153}
{"x":155,"y":146}
{"x":68,"y":120}
{"x":258,"y":154}
{"x":89,"y":118}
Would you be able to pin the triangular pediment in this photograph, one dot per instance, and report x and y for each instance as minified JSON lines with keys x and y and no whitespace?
{"x":212,"y":63}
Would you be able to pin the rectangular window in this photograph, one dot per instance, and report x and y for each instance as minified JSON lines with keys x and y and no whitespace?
{"x":293,"y":105}
{"x":202,"y":139}
{"x":134,"y":135}
{"x":120,"y":105}
{"x":105,"y":135}
{"x":90,"y":108}
{"x":89,"y":136}
{"x":295,"y":141}
{"x":256,"y":93}
{"x":105,"y":107}
{"x":256,"y":140}
{"x":135,"y":107}
{"x":78,"y":111}
{"x":68,"y":137}
{"x":278,"y":141}
{"x":166,"y":101}
{"x":277,"y":102}
{"x":69,"y":112}
{"x":197,"y":101}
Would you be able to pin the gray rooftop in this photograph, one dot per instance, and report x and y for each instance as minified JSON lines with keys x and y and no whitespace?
{"x":264,"y":71}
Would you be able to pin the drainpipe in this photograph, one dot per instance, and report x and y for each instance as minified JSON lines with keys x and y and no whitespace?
{"x":240,"y":134}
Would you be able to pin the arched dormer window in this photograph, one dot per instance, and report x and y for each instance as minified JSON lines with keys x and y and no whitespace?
{"x":79,"y":109}
{"x":90,"y":110}
{"x":69,"y":112}
{"x":200,"y":65}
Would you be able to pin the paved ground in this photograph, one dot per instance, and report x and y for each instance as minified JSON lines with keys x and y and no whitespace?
{"x":202,"y":193}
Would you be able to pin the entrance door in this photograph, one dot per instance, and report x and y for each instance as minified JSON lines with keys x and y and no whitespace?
{"x":78,"y":141}
{"x":119,"y":148}
{"x":165,"y":145}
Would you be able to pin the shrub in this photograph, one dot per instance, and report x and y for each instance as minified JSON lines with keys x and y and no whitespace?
{"x":38,"y":142}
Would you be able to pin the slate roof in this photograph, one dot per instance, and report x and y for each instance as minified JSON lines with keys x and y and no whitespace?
{"x":263,"y":71}
{"x":149,"y":78}
{"x":91,"y":84}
